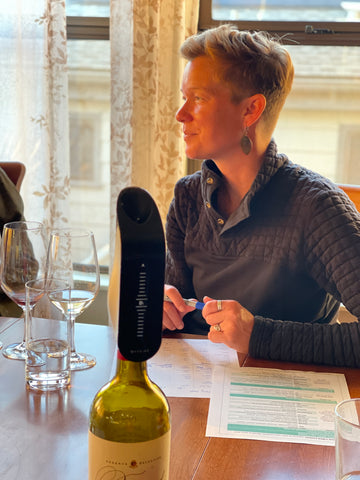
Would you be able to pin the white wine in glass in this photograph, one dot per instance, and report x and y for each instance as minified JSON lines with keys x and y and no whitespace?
{"x":23,"y":258}
{"x":72,"y":257}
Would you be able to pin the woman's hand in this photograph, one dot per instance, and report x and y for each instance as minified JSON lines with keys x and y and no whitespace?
{"x":175,"y":309}
{"x":230,"y":323}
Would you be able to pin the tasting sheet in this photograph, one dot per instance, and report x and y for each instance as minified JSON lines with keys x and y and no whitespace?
{"x":183,"y":367}
{"x":275,"y":405}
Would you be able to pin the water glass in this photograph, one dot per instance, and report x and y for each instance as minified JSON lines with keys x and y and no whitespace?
{"x":347,"y":439}
{"x":47,"y":335}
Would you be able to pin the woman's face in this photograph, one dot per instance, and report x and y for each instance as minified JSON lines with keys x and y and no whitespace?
{"x":212,"y":124}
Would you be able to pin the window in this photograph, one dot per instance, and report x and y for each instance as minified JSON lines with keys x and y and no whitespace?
{"x":88,"y":8}
{"x":320,"y":123}
{"x":325,"y":96}
{"x":314,"y":22}
{"x":89,"y":110}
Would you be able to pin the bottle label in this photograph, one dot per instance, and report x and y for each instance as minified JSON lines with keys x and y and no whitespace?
{"x":131,"y":461}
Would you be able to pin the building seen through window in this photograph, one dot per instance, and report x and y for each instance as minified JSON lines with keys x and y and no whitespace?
{"x":89,"y":111}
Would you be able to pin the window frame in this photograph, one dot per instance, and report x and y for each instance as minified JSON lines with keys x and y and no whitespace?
{"x":304,"y":33}
{"x":88,"y":28}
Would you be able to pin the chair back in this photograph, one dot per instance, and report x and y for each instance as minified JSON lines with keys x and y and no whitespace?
{"x":353,"y":192}
{"x":15,"y":171}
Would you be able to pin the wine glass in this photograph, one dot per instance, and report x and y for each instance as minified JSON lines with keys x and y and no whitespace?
{"x":23,"y":258}
{"x":72,"y":258}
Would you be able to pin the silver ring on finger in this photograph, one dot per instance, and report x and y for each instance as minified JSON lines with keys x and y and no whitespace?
{"x":219,"y":305}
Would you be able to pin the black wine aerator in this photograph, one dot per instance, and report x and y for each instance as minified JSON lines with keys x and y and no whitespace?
{"x":141,"y":274}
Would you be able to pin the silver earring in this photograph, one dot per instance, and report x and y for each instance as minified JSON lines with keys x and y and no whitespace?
{"x":246,"y":143}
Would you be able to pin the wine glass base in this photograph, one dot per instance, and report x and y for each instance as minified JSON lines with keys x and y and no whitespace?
{"x":81,"y":361}
{"x":15,"y":351}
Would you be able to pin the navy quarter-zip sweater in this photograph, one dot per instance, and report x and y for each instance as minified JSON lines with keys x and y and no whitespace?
{"x":289,"y":254}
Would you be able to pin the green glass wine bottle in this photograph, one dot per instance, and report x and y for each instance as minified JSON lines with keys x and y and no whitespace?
{"x":129,"y":427}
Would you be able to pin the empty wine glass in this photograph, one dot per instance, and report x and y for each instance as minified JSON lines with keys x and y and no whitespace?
{"x":72,"y":258}
{"x":23,"y":258}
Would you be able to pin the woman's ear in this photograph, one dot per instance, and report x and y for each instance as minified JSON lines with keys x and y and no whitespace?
{"x":254,"y":107}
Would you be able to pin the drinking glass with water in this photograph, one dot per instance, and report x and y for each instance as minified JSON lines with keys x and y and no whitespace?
{"x":47,"y":333}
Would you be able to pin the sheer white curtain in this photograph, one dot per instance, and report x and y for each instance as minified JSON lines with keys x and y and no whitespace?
{"x":146,"y":142}
{"x":34,"y":103}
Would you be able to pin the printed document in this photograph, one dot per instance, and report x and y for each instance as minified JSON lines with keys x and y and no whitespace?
{"x":183,"y":367}
{"x":276,"y":405}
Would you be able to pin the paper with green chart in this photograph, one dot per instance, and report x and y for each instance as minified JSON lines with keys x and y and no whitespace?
{"x":275,"y":405}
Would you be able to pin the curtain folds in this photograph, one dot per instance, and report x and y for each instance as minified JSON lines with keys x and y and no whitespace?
{"x":34,"y":101}
{"x":146,"y":69}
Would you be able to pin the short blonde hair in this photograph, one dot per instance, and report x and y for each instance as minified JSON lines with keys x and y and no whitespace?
{"x":253,"y":62}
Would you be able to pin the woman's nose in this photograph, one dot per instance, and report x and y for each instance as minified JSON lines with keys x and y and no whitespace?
{"x":182,"y":114}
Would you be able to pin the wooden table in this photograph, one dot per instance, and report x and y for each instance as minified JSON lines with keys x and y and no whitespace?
{"x":44,"y":435}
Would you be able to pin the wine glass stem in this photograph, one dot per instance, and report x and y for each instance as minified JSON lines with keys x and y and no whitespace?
{"x":72,"y":332}
{"x":23,"y":315}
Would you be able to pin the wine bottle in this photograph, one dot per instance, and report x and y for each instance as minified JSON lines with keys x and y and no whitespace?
{"x":129,"y":427}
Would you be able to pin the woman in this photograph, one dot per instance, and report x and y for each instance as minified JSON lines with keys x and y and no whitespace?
{"x":277,"y":245}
